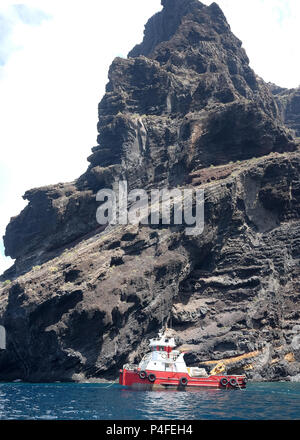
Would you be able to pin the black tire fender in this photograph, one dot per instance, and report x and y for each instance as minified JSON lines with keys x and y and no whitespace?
{"x":143,"y":374}
{"x":224,"y":382}
{"x":183,"y":381}
{"x":233,"y":382}
{"x":152,"y":377}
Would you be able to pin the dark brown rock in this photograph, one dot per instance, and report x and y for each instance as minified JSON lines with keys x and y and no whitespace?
{"x":163,"y":116}
{"x":288,"y":101}
{"x":185,"y":109}
{"x":231,"y":291}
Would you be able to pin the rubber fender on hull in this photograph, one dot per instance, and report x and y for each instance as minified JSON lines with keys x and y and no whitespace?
{"x":183,"y":381}
{"x":152,"y":377}
{"x":224,"y":382}
{"x":233,"y":382}
{"x":143,"y":374}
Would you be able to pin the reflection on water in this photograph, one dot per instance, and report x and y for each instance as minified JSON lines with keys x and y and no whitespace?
{"x":95,"y":401}
{"x":173,"y":404}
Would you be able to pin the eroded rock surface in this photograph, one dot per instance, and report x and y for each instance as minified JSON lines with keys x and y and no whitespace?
{"x":288,"y":101}
{"x":185,"y":99}
{"x":183,"y":110}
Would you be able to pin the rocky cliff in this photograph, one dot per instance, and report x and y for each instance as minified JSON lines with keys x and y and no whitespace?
{"x":184,"y":110}
{"x":288,"y":101}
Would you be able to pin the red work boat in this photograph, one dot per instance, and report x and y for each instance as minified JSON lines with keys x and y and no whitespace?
{"x":165,"y":367}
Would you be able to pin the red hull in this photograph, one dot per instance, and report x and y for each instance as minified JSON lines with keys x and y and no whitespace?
{"x":166,"y":379}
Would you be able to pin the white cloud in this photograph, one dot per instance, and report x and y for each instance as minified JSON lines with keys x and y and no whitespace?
{"x":5,"y":263}
{"x":29,"y":15}
{"x":50,"y":87}
{"x":11,"y":15}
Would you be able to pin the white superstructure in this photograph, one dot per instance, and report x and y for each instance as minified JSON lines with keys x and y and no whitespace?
{"x":163,"y":357}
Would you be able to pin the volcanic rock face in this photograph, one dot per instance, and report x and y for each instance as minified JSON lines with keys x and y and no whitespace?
{"x":185,"y":99}
{"x":183,"y":110}
{"x":289,"y":104}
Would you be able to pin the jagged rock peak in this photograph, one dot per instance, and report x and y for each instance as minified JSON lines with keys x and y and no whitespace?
{"x":288,"y":101}
{"x":190,"y":20}
{"x":184,"y":101}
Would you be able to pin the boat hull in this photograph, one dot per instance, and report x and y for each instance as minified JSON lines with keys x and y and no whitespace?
{"x":181,"y":381}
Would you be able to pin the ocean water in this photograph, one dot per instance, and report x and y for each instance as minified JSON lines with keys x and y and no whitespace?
{"x":259,"y":401}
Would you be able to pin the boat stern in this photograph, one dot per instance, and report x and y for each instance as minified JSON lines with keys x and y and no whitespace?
{"x":238,"y":382}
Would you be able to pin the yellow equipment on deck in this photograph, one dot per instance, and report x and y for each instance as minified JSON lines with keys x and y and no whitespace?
{"x":218,"y":369}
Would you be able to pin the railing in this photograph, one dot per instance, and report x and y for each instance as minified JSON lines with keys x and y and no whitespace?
{"x":146,"y":357}
{"x":129,"y":367}
{"x":163,"y":355}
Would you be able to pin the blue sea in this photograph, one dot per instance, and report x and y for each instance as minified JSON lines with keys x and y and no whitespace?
{"x":59,"y":401}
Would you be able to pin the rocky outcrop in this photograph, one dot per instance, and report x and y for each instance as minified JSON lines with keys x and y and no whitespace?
{"x":288,"y":101}
{"x":184,"y":110}
{"x":231,"y":291}
{"x":55,"y":216}
{"x":185,"y":99}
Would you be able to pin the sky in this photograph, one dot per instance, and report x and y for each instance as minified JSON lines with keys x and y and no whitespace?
{"x":54,"y":60}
